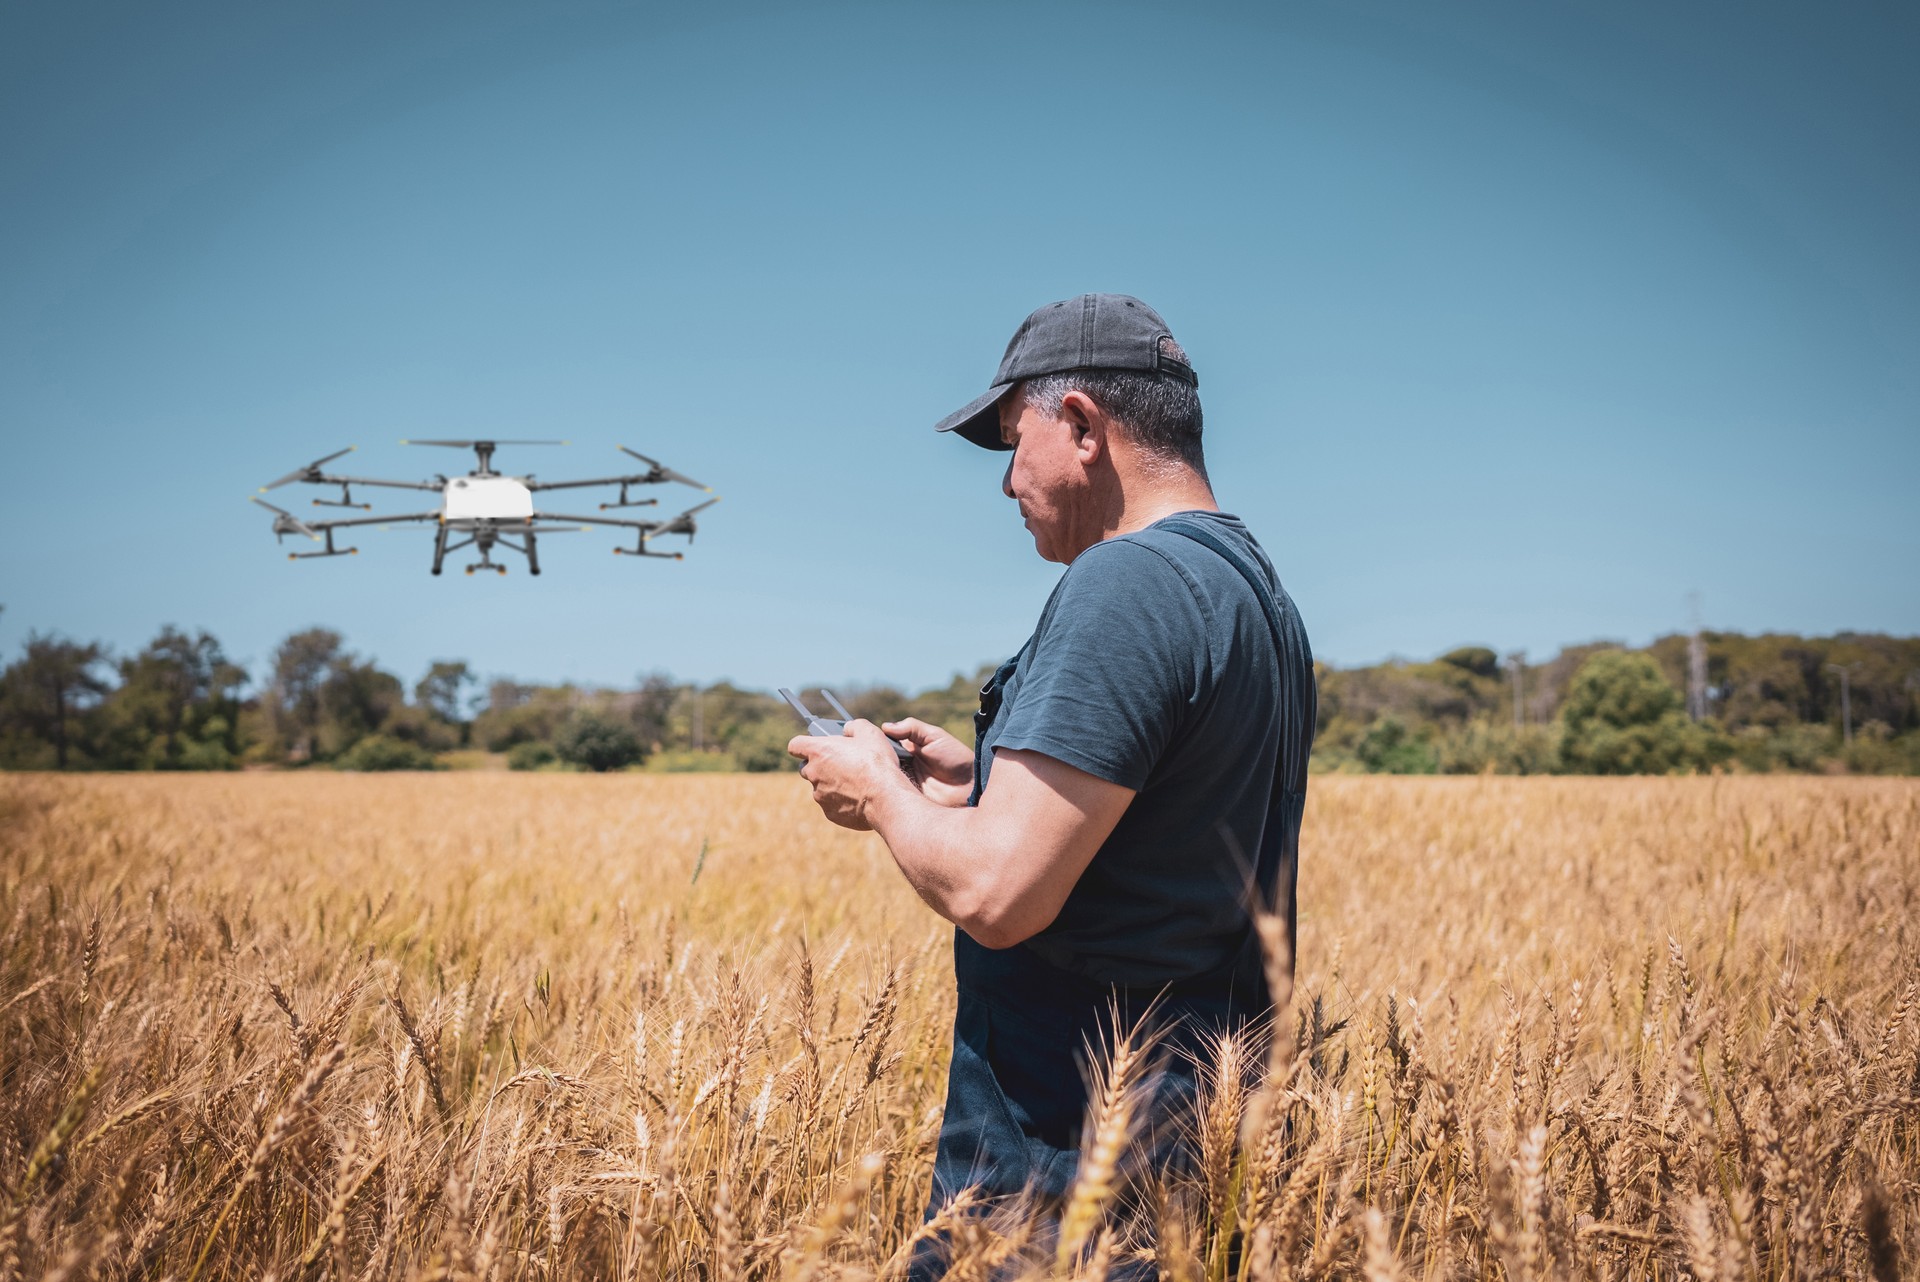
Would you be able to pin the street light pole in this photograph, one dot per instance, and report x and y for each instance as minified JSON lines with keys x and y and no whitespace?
{"x":1846,"y":701}
{"x":1696,"y":662}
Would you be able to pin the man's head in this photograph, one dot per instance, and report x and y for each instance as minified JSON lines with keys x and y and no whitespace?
{"x":1157,"y":412}
{"x":1098,"y":403}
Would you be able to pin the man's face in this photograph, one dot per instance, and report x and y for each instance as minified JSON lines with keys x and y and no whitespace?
{"x":1047,"y":476}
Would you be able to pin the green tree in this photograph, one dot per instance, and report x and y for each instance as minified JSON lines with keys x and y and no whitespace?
{"x":323,"y":700}
{"x":652,"y":709}
{"x":357,"y":699}
{"x":416,"y":725}
{"x":1621,"y":716}
{"x":51,"y":690}
{"x":522,"y":714}
{"x":177,"y":704}
{"x":300,"y":669}
{"x":1476,"y":660}
{"x":598,"y":742}
{"x":443,"y":691}
{"x":436,"y":718}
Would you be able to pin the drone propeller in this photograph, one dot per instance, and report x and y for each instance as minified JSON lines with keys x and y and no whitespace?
{"x":665,"y":473}
{"x":467,"y":445}
{"x":682,"y":524}
{"x":286,"y":522}
{"x":308,"y":470}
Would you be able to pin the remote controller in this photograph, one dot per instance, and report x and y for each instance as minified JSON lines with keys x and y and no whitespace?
{"x":830,"y":728}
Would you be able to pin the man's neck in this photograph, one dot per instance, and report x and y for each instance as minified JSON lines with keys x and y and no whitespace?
{"x":1156,"y":491}
{"x":1138,"y":505}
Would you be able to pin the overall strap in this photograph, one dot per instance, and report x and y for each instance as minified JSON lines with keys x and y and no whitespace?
{"x":1255,"y":580}
{"x":1277,"y":868}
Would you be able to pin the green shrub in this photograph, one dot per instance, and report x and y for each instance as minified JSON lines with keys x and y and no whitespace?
{"x":1623,"y":717}
{"x":597,"y":742}
{"x":1388,"y":747}
{"x":382,"y":752}
{"x":531,"y":755}
{"x":206,"y":754}
{"x":761,"y":746}
{"x":1484,"y":746}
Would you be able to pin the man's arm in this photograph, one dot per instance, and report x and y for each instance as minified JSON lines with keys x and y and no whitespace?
{"x":1000,"y":870}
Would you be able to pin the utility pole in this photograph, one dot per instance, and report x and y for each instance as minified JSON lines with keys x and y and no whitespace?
{"x":1517,"y":667}
{"x":1696,"y":663}
{"x":698,"y":736}
{"x":1846,"y":700}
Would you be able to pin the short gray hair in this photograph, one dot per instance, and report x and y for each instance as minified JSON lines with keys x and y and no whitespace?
{"x":1159,"y":412}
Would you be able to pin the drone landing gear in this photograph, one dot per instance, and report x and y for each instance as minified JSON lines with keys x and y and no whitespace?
{"x":640,"y":548}
{"x":484,"y":542}
{"x":345,"y":499}
{"x":330,"y":551}
{"x":625,"y":502}
{"x":486,"y":561}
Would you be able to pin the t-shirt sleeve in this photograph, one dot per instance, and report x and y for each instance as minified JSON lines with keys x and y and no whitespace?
{"x":1115,"y":668}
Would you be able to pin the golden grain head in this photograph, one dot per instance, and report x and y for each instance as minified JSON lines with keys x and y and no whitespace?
{"x":314,"y":1025}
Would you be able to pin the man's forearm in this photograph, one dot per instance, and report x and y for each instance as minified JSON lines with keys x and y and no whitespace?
{"x":1000,"y":870}
{"x":947,"y":854}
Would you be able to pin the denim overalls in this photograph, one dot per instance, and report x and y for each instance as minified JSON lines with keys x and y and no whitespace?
{"x":1016,"y":1091}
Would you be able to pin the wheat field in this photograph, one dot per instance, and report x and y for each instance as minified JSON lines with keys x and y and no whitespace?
{"x":549,"y":1026}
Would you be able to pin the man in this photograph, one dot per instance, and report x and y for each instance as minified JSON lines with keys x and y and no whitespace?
{"x":1140,"y":765}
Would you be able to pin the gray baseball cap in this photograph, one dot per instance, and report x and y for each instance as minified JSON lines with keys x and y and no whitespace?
{"x":1093,"y":331}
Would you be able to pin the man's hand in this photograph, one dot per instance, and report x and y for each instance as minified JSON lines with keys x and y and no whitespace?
{"x":848,"y":773}
{"x":999,"y":871}
{"x":943,"y":766}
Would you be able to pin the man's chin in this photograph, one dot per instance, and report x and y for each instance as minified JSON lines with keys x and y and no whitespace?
{"x":1042,"y":544}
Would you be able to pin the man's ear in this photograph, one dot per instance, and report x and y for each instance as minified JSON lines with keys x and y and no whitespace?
{"x":1084,"y":418}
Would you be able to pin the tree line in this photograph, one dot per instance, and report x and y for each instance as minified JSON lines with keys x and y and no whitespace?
{"x":1848,"y":703}
{"x":1778,"y":702}
{"x":181,"y":704}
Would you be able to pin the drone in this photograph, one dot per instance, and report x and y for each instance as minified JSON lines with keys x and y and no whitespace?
{"x":485,"y":509}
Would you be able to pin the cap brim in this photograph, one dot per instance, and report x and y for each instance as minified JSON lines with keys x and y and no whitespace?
{"x":979,"y":419}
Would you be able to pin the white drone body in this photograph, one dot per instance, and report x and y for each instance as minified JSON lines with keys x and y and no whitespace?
{"x":486,"y":498}
{"x":484,"y":508}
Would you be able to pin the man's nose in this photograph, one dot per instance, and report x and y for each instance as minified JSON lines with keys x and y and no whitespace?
{"x":1006,"y":480}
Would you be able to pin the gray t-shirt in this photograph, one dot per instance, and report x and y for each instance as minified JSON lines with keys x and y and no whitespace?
{"x":1153,"y":667}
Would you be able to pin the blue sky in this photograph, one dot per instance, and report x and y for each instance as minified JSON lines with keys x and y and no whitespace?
{"x":1515,"y":323}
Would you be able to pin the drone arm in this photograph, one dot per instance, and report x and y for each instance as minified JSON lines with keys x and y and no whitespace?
{"x":374,"y":520}
{"x":602,"y":480}
{"x":324,"y":479}
{"x":642,"y":526}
